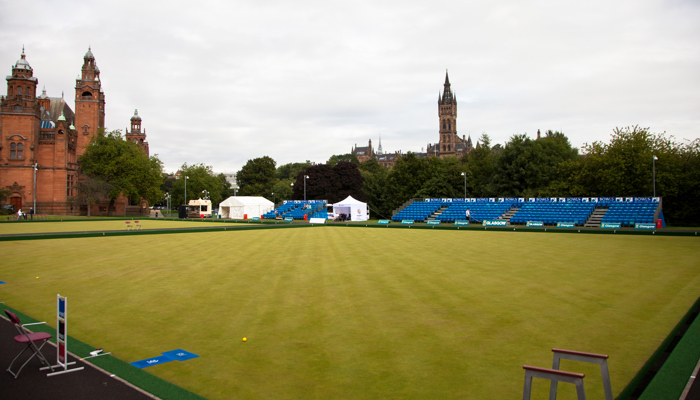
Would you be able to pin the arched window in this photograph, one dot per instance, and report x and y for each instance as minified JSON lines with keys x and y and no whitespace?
{"x":19,"y":150}
{"x":443,"y":125}
{"x":10,"y":90}
{"x":19,"y":89}
{"x":29,"y":91}
{"x":449,"y":148}
{"x":449,"y":125}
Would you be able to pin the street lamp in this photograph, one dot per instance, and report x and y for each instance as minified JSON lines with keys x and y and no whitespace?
{"x":273,"y":197}
{"x":186,"y":178}
{"x":464,"y":174}
{"x":167,"y":201}
{"x":653,"y":168}
{"x":206,"y":194}
{"x":305,"y":178}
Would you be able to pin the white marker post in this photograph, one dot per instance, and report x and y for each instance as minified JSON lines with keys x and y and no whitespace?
{"x":62,"y":338}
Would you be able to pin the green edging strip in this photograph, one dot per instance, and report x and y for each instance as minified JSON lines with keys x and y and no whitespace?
{"x":73,"y":235}
{"x":135,"y":376}
{"x":267,"y":224}
{"x":641,"y":375}
{"x":673,"y":376}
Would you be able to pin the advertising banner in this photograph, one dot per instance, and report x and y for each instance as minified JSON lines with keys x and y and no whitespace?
{"x":535,"y":224}
{"x":434,"y":222}
{"x":407,"y":222}
{"x":645,"y":226}
{"x":461,"y":223}
{"x":566,"y":225}
{"x":383,"y":222}
{"x":495,"y":222}
{"x":610,"y":225}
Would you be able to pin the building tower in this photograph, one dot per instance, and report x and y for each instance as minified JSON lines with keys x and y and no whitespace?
{"x":89,"y":102}
{"x":19,"y":130}
{"x":135,"y":135}
{"x":447,"y":112}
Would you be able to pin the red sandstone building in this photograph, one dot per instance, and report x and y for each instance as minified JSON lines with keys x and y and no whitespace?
{"x":41,"y":139}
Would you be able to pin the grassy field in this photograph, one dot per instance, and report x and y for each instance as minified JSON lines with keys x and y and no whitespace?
{"x":352,"y":313}
{"x":100,"y":225}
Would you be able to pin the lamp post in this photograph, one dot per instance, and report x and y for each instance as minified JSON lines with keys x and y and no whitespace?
{"x":273,"y":198}
{"x":464,"y":174}
{"x":653,"y":169}
{"x":206,"y":194}
{"x":167,"y":202}
{"x":186,"y":178}
{"x":305,"y":178}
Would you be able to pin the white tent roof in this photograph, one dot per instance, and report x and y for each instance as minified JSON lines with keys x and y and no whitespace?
{"x":349,"y":201}
{"x":356,"y":209}
{"x":237,"y":201}
{"x":239,"y":207}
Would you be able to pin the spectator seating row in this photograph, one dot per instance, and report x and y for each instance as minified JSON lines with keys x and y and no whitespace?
{"x":628,"y":214}
{"x":551,"y":213}
{"x":418,"y":211}
{"x":457,"y":211}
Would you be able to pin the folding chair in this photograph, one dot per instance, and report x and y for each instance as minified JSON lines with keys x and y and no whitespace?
{"x":137,"y":225}
{"x":30,"y":339}
{"x":128,"y":225}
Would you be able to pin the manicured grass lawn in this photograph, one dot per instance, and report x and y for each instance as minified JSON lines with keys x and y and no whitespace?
{"x":352,"y":313}
{"x":98,"y":225}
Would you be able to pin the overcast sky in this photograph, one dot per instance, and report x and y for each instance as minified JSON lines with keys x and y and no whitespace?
{"x":222,"y":82}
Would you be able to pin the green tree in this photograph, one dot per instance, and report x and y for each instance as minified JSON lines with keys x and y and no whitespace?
{"x":625,"y":167}
{"x":335,"y":159}
{"x":200,"y":178}
{"x":480,"y":165}
{"x":257,"y":177}
{"x":527,"y":168}
{"x":91,"y":191}
{"x":405,"y":180}
{"x":291,"y":170}
{"x":123,"y":165}
{"x":374,"y":187}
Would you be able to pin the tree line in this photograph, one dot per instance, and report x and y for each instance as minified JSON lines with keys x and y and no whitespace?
{"x":523,"y":167}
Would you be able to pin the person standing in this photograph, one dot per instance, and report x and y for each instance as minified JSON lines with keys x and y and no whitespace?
{"x":469,"y":216}
{"x":31,"y":214}
{"x":19,"y":214}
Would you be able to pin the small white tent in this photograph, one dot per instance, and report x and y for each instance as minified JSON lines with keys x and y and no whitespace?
{"x":355,"y":209}
{"x":240,"y":207}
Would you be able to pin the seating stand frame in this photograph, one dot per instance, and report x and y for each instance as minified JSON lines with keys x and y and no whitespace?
{"x":599,"y":359}
{"x":555,"y":376}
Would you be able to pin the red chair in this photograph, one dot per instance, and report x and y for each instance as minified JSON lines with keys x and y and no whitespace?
{"x":30,"y":339}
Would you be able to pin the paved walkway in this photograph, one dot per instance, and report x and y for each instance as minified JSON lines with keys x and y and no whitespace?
{"x":33,"y":384}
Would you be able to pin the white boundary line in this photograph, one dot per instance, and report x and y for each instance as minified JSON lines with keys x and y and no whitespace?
{"x":690,"y":382}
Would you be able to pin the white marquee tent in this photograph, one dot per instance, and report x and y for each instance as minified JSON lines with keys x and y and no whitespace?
{"x":240,"y":207}
{"x":356,"y":209}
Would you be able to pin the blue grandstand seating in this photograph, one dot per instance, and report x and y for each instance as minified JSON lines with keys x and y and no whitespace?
{"x":418,"y":211}
{"x":479,"y":211}
{"x":630,"y":213}
{"x":551,"y":213}
{"x":297,"y":210}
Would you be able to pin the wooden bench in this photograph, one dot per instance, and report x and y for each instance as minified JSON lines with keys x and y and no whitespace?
{"x":555,"y":376}
{"x":600,"y":359}
{"x":128,"y":225}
